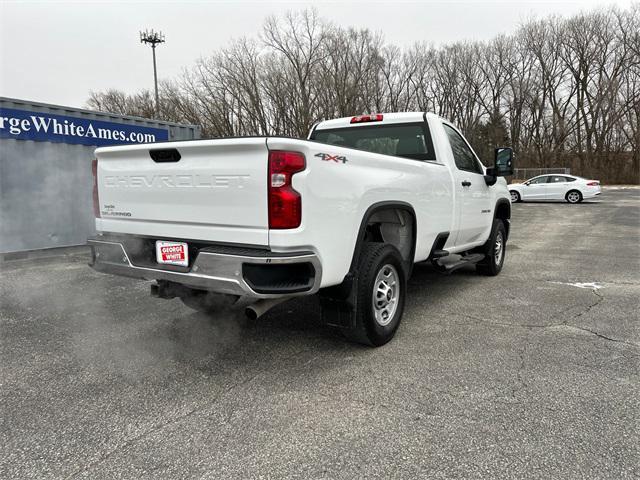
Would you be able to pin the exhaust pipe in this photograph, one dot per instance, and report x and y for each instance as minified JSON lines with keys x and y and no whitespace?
{"x":256,"y":310}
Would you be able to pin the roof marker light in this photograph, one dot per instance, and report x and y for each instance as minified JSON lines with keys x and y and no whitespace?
{"x":367,"y":118}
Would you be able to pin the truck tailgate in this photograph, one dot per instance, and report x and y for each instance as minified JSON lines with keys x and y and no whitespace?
{"x":216,"y":191}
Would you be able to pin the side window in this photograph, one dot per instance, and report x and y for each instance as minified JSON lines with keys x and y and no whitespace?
{"x":557,"y":179}
{"x":538,"y":180}
{"x":569,"y":179}
{"x":464,"y":157}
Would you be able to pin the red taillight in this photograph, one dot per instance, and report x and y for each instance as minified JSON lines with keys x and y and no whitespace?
{"x":285,"y":205}
{"x":593,"y":184}
{"x":367,"y":118}
{"x":96,"y":200}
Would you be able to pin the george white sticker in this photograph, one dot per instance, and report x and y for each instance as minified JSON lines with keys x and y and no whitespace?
{"x":172,"y":253}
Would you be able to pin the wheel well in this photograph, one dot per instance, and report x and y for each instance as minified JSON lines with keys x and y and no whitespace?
{"x":384,"y":222}
{"x":503,"y":212}
{"x":394,"y":224}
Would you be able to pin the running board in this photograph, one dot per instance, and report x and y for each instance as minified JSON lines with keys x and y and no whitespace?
{"x":448,"y":267}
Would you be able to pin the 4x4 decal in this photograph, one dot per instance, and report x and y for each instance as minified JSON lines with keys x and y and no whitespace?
{"x":332,"y":158}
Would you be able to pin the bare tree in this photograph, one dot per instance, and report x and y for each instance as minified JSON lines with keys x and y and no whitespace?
{"x":561,"y":91}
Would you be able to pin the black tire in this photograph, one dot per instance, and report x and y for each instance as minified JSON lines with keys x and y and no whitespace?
{"x":377,"y":258}
{"x":492,"y":264}
{"x":207,"y":302}
{"x":571,"y":195}
{"x":515,"y":196}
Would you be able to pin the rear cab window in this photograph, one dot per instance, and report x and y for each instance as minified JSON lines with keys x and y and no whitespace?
{"x":407,"y":140}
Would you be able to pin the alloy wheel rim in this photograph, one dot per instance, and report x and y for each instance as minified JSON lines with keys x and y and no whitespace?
{"x":386,"y":289}
{"x":574,"y":197}
{"x":514,"y":197}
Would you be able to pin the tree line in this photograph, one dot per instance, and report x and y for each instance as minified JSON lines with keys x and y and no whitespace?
{"x":562,"y":91}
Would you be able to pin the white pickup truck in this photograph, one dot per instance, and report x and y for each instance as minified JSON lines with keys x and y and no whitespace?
{"x":346,"y":213}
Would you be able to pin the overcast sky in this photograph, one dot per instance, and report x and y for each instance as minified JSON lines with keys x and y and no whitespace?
{"x":56,"y":52}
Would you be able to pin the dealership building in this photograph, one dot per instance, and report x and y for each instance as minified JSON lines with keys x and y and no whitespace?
{"x":46,"y":182}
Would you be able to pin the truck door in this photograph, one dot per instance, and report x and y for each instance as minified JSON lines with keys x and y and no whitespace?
{"x":475,"y":212}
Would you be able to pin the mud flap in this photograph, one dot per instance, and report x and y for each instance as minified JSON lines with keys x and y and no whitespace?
{"x":338,"y":304}
{"x":338,"y":313}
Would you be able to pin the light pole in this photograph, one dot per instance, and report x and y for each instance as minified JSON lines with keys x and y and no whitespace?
{"x":153,"y":38}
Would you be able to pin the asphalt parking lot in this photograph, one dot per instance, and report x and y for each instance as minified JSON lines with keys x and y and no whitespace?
{"x":531,"y":374}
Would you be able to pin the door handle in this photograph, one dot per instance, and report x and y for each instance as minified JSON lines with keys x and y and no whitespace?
{"x":466,"y":183}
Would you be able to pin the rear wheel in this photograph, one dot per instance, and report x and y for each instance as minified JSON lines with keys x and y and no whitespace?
{"x":515,"y":196}
{"x":378,"y":304}
{"x":494,"y":251}
{"x":573,"y":196}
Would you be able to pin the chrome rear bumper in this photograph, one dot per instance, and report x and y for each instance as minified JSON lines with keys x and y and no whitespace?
{"x":226,"y":270}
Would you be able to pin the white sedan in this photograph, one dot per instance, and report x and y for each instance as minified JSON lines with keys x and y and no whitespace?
{"x":555,"y":187}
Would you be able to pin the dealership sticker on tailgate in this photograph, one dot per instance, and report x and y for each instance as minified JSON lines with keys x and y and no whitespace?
{"x":172,"y":253}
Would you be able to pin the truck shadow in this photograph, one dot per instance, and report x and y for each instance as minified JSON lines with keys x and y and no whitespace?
{"x":295,"y":324}
{"x":426,"y":278}
{"x":157,"y":344}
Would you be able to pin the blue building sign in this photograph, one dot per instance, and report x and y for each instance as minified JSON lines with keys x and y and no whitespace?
{"x":48,"y":127}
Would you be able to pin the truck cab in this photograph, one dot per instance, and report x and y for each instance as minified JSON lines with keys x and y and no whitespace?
{"x":410,"y":135}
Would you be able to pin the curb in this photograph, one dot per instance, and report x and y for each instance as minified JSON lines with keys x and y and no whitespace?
{"x":45,"y":253}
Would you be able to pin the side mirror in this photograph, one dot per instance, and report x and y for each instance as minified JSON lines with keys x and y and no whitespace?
{"x":503,"y":165}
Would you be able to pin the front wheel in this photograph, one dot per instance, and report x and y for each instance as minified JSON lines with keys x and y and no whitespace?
{"x":494,"y":250}
{"x":380,"y":296}
{"x":515,"y":196}
{"x":574,"y":196}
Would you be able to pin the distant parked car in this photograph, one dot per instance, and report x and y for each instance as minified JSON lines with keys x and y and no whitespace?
{"x":555,"y":187}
